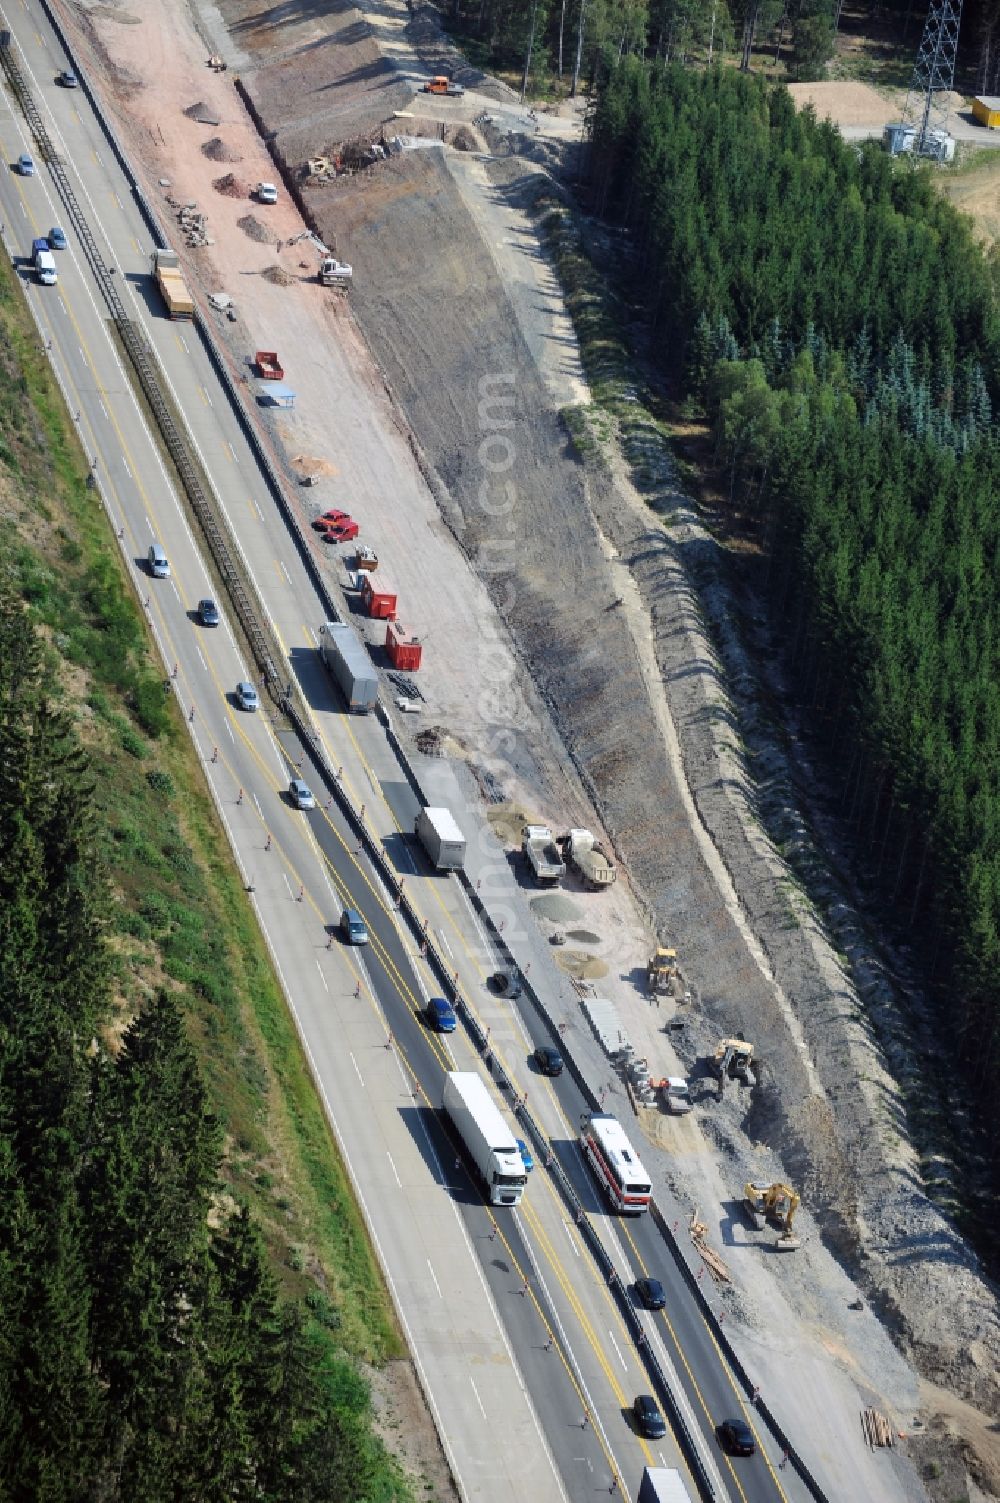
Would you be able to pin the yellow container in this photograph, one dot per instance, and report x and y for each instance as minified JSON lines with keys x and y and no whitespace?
{"x":986,"y":109}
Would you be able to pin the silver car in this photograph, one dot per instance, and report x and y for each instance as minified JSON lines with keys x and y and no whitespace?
{"x":301,"y":794}
{"x":247,"y":697}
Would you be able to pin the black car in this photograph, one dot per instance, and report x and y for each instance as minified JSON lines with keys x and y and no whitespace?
{"x":650,"y":1293}
{"x":549,"y":1061}
{"x":649,"y":1421}
{"x":737,"y":1437}
{"x":208,"y":612}
{"x":506,"y":983}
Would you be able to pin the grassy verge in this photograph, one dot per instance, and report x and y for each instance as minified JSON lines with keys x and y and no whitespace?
{"x":182,"y":920}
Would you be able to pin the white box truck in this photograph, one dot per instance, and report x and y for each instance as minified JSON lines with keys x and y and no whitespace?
{"x":44,"y":262}
{"x":441,"y":839}
{"x":661,"y":1484}
{"x":492,"y":1146}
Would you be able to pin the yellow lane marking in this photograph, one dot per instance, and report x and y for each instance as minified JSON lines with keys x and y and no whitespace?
{"x":680,"y":1353}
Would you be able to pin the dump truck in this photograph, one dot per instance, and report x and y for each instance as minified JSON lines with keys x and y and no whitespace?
{"x":490,"y":1143}
{"x":269,"y":367}
{"x":542,"y":854}
{"x":350,"y":665}
{"x":441,"y":838}
{"x":173,"y":288}
{"x":661,"y":1484}
{"x":589,"y":858}
{"x":443,"y":85}
{"x":334,"y":273}
{"x":674,"y":1095}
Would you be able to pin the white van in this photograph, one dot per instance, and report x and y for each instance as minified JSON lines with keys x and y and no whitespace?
{"x":158,"y":565}
{"x":45,"y":267}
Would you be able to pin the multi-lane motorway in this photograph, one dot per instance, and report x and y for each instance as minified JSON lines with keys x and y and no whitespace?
{"x":528,"y":1364}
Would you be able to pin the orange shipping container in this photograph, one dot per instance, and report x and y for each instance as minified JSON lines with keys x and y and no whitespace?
{"x":378,"y":598}
{"x":404,"y":650}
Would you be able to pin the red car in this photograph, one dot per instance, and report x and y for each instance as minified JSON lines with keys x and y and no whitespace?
{"x":330,"y":519}
{"x":340,"y":532}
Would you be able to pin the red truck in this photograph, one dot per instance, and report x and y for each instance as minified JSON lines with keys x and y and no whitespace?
{"x":378,"y":597}
{"x":268,"y":365}
{"x":340,"y":532}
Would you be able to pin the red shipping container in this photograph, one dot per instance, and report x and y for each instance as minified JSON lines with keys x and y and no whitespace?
{"x":404,"y":649}
{"x":378,"y":598}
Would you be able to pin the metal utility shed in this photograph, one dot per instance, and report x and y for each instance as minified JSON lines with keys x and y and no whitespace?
{"x":986,"y":109}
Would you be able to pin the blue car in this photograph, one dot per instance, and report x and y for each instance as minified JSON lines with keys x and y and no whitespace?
{"x":56,"y":238}
{"x":525,"y":1153}
{"x":441,"y":1015}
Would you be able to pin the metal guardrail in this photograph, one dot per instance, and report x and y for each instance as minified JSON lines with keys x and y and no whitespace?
{"x":267,"y":656}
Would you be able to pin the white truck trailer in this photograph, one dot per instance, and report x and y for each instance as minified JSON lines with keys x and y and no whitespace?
{"x":441,"y":839}
{"x":350,"y":665}
{"x":490,"y":1143}
{"x":542,"y":854}
{"x":661,"y":1484}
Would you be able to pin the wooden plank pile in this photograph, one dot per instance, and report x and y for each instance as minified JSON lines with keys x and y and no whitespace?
{"x":707,"y":1254}
{"x":876,"y":1429}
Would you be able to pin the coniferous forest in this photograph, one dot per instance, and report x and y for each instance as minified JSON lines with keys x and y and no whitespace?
{"x":836,"y":320}
{"x":144,"y":1349}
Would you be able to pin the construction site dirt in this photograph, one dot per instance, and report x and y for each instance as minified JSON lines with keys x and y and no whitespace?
{"x":576,"y":600}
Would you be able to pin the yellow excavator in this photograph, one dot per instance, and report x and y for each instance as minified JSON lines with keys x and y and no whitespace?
{"x":662,"y":970}
{"x":732,"y":1060}
{"x":776,"y":1203}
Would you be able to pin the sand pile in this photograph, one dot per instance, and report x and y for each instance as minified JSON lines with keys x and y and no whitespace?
{"x":252,"y":226}
{"x":202,"y":112}
{"x":583,"y":967}
{"x":217,"y":151}
{"x":278,"y":275}
{"x":557,"y":908}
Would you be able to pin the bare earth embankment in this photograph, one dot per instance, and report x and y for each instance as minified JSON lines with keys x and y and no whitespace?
{"x":595,"y":589}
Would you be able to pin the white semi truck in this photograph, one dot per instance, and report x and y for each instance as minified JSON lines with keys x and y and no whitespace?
{"x":350,"y":665}
{"x":661,"y":1484}
{"x":441,"y":838}
{"x":492,"y":1146}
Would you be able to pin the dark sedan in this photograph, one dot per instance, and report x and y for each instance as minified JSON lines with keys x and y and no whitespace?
{"x":737,"y":1437}
{"x":548,"y":1060}
{"x":649,"y":1421}
{"x":650,"y":1294}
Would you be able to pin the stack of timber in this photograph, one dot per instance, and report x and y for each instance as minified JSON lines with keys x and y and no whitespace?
{"x":708,"y":1255}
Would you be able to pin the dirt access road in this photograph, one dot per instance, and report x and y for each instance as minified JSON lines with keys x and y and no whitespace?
{"x":598,"y":609}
